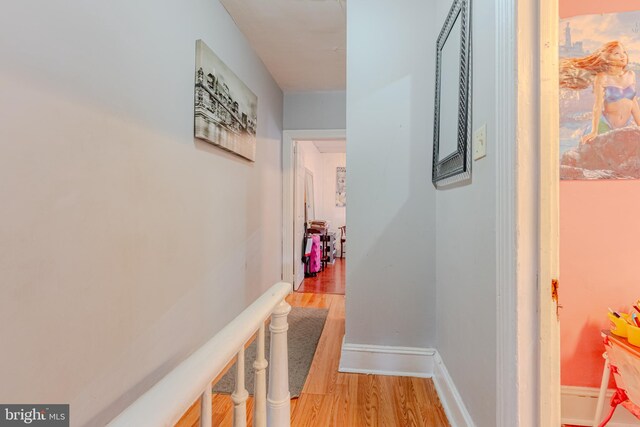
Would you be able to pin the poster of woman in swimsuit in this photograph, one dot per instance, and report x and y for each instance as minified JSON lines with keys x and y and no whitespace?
{"x":599,"y":110}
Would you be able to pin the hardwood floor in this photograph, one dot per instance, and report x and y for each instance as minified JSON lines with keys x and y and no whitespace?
{"x":330,"y":398}
{"x":329,"y":281}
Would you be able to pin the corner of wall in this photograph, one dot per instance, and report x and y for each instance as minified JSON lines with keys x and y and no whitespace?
{"x":408,"y":362}
{"x":454,"y":407}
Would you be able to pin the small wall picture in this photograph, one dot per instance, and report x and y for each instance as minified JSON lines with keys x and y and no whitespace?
{"x":599,"y":112}
{"x":341,"y":187}
{"x":225,"y":108}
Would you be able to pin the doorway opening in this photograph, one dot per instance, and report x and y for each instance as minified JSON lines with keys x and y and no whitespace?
{"x":314,"y":210}
{"x":320,"y":231}
{"x":598,"y":206}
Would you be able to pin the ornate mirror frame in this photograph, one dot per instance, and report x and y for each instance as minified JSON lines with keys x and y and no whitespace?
{"x":455,"y":166}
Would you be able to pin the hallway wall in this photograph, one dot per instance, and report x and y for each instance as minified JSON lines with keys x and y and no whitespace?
{"x":426,"y":258}
{"x":315,"y":110}
{"x":119,"y":233}
{"x":466,"y":242}
{"x":391,"y":215}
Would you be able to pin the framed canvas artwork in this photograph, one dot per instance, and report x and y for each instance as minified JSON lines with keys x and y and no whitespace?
{"x":225,"y":108}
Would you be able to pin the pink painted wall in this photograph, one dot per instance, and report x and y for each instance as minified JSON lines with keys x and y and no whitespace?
{"x":599,"y":268}
{"x":599,"y":249}
{"x":583,"y":7}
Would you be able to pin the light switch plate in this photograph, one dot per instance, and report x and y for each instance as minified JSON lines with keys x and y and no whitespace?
{"x":480,"y":142}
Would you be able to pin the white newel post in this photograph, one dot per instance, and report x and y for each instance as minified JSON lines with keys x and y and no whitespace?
{"x":260,"y":391}
{"x":278,"y":400}
{"x":205,"y":407}
{"x":240,"y":395}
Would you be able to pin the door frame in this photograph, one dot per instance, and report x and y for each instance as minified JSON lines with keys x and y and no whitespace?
{"x":299,"y":212}
{"x":289,"y":137}
{"x":527,"y":221}
{"x":549,"y":212}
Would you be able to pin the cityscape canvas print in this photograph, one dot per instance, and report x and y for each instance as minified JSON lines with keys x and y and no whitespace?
{"x":599,"y":112}
{"x":341,"y":187}
{"x":225,"y":108}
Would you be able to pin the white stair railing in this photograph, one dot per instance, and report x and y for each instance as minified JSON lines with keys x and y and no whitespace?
{"x":166,"y":402}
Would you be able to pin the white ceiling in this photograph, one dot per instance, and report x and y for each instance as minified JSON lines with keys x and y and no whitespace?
{"x":302,"y":42}
{"x":331,"y":146}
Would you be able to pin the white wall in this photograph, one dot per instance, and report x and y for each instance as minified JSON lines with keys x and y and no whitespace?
{"x":323,"y":166}
{"x":124,"y":242}
{"x":315,"y":110}
{"x":391,"y":202}
{"x":312,"y":160}
{"x":332,"y":213}
{"x":419,"y":255}
{"x":466,"y":244}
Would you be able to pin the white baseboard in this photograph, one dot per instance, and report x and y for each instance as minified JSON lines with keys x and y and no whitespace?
{"x":449,"y":397}
{"x":386,"y":360}
{"x":408,"y":362}
{"x":579,"y":408}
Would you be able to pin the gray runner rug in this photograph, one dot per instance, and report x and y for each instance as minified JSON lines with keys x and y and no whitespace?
{"x":305,"y":328}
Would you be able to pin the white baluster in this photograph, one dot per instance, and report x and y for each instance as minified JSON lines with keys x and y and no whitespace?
{"x":205,"y":407}
{"x":240,"y":395}
{"x":260,"y":391}
{"x":279,"y":398}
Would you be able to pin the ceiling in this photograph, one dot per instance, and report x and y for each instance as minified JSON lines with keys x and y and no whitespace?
{"x":302,"y":42}
{"x":331,"y":146}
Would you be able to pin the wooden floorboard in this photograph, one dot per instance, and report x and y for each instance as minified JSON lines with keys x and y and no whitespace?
{"x":331,"y":280}
{"x":330,"y":398}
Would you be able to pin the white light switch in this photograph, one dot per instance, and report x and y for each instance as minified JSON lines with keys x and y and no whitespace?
{"x":480,"y":142}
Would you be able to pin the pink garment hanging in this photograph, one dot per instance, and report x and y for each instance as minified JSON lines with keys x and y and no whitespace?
{"x":315,"y":263}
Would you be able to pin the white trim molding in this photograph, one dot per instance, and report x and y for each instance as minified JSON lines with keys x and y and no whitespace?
{"x":288,"y":161}
{"x":508,"y":403}
{"x":579,"y":407}
{"x":548,"y":179}
{"x":387,"y":360}
{"x":507,"y":399}
{"x":451,"y":400}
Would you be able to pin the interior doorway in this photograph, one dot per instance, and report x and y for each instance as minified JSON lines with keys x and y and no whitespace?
{"x":598,"y":207}
{"x":319,"y":206}
{"x":312,"y":162}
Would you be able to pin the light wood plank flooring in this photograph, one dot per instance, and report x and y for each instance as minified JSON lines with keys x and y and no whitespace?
{"x":330,"y":398}
{"x":331,"y":280}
